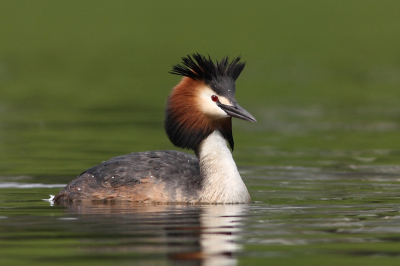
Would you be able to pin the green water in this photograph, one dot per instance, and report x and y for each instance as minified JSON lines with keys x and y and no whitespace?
{"x":84,"y":81}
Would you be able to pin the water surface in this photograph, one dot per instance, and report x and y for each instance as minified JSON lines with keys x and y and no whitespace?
{"x":298,"y":214}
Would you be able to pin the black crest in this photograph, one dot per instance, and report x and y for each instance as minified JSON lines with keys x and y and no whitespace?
{"x":220,"y":76}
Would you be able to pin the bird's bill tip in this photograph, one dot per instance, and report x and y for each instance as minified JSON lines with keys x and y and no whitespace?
{"x":237,"y":111}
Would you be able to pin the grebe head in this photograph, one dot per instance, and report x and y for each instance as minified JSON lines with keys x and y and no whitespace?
{"x":204,"y":101}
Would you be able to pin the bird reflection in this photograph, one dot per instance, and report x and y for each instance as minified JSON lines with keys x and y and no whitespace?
{"x":187,"y":234}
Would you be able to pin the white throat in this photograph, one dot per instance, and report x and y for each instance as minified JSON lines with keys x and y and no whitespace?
{"x":221,"y":179}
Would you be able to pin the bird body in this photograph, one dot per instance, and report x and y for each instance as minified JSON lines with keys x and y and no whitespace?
{"x":198,"y":117}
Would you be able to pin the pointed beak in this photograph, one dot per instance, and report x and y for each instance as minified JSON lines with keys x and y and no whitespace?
{"x":237,"y":111}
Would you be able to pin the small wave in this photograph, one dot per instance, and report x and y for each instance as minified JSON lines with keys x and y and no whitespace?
{"x":50,"y":200}
{"x":29,"y":185}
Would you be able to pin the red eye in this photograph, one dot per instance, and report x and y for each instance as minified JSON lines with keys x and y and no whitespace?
{"x":214,"y":98}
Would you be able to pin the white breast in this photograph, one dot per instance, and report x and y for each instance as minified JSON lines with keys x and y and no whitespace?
{"x":222,"y":182}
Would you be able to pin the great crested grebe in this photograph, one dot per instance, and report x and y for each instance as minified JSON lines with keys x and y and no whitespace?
{"x":198,"y":117}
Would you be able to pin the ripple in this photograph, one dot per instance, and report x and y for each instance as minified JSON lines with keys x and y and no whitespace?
{"x":29,"y":185}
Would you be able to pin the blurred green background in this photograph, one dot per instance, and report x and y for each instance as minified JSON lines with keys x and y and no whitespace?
{"x":83,"y":81}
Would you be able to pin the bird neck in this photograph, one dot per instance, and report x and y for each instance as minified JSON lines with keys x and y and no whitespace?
{"x":221,"y":180}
